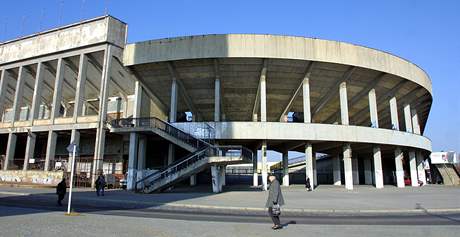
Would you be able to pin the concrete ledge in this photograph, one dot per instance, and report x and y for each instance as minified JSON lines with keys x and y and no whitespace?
{"x":51,"y":178}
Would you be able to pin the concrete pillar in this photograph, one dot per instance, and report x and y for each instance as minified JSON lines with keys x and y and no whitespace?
{"x":354,"y":166}
{"x":306,"y":100}
{"x":173,"y":108}
{"x":10,"y":150}
{"x":347,"y":166}
{"x":378,"y":171}
{"x":285,"y":169}
{"x":264,"y":165}
{"x":336,"y":170}
{"x":421,"y":167}
{"x":415,"y":122}
{"x":57,"y":93}
{"x":373,"y":109}
{"x":215,"y":179}
{"x":408,"y":118}
{"x":50,"y":149}
{"x":138,"y":100}
{"x":255,"y":176}
{"x":413,"y":169}
{"x":394,"y":113}
{"x":80,"y":89}
{"x":3,"y":85}
{"x":193,"y":180}
{"x":36,"y":98}
{"x":141,"y":153}
{"x":399,"y":168}
{"x":343,"y":103}
{"x":30,"y":148}
{"x":315,"y":173}
{"x":222,"y":173}
{"x":18,"y":94}
{"x":367,"y":171}
{"x":75,"y":138}
{"x":309,"y":170}
{"x":132,"y":160}
{"x":263,"y":99}
{"x":171,"y":153}
{"x":98,"y":153}
{"x":217,"y":100}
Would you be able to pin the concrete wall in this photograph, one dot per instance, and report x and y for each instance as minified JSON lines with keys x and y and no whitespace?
{"x":31,"y":177}
{"x":273,"y":46}
{"x":86,"y":33}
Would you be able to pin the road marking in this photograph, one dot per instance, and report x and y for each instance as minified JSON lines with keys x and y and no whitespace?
{"x":14,"y":193}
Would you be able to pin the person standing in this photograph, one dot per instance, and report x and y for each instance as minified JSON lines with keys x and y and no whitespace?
{"x":61,"y":189}
{"x":275,"y":197}
{"x":100,"y":185}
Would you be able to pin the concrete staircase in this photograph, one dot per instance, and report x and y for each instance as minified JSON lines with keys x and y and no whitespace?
{"x":448,"y":174}
{"x":203,"y":153}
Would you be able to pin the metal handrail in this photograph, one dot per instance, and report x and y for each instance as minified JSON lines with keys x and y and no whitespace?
{"x":156,"y":123}
{"x":198,"y":156}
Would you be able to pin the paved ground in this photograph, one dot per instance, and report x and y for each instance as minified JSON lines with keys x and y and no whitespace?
{"x":324,"y":199}
{"x":37,"y":223}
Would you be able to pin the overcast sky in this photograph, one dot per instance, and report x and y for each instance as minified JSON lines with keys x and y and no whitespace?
{"x":426,"y":33}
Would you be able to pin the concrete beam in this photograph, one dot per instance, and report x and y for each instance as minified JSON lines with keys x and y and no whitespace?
{"x":325,"y":99}
{"x":263,"y":74}
{"x":300,"y":87}
{"x":183,"y":91}
{"x":358,"y":97}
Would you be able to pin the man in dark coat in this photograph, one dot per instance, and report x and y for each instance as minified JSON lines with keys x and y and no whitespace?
{"x":61,"y":189}
{"x":274,"y":197}
{"x":100,"y":185}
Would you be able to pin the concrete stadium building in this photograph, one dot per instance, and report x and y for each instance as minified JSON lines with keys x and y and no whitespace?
{"x":168,"y":110}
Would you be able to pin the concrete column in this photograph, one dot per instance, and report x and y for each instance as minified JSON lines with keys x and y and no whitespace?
{"x":18,"y":94}
{"x":373,"y":109}
{"x":285,"y":169}
{"x":57,"y":93}
{"x":336,"y":170}
{"x":306,"y":100}
{"x":138,"y":100}
{"x":30,"y":148}
{"x":378,"y":171}
{"x":80,"y":89}
{"x":415,"y":122}
{"x":413,"y":169}
{"x":215,"y":179}
{"x":354,"y":166}
{"x":421,"y":167}
{"x":347,"y":166}
{"x":193,"y":180}
{"x":171,"y":153}
{"x":75,"y":138}
{"x":255,"y":176}
{"x":36,"y":98}
{"x":264,"y":165}
{"x":173,"y":108}
{"x":103,"y":102}
{"x":399,"y":168}
{"x":141,"y":153}
{"x":315,"y":173}
{"x":132,"y":160}
{"x":408,"y":118}
{"x":50,"y":149}
{"x":10,"y":149}
{"x":217,"y":100}
{"x":343,"y":103}
{"x":263,"y":99}
{"x":394,"y":113}
{"x":3,"y":85}
{"x":309,"y":170}
{"x":222,"y":173}
{"x":367,"y":171}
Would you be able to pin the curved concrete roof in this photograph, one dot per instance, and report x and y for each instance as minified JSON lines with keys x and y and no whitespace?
{"x":273,"y":46}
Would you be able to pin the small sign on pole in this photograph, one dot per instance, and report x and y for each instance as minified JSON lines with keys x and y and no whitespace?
{"x":71,"y":148}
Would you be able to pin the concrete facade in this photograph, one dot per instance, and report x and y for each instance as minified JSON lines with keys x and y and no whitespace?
{"x":264,"y":92}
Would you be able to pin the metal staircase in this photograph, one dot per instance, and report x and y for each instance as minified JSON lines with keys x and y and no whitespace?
{"x":203,"y":152}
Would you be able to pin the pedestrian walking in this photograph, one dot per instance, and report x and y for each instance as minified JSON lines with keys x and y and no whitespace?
{"x":100,"y":185}
{"x":274,"y":201}
{"x":308,"y":185}
{"x":61,"y":189}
